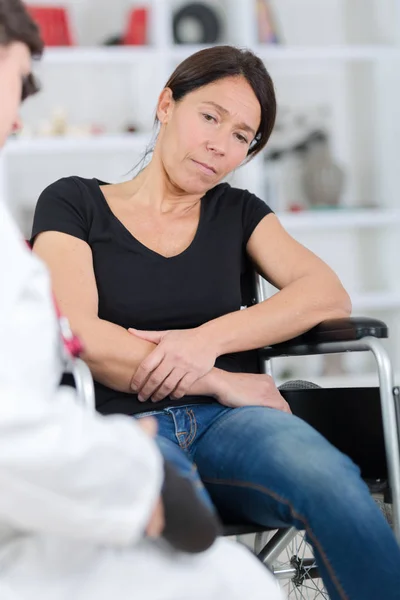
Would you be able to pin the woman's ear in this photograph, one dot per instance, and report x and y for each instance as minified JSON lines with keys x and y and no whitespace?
{"x":165,"y":106}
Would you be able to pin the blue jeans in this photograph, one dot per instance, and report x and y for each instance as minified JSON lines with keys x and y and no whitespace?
{"x":268,"y":467}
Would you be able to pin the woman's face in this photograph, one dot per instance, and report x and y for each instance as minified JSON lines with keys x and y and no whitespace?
{"x":207,"y":134}
{"x":15,"y":64}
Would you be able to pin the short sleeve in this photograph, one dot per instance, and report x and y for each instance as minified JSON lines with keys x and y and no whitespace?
{"x":254,"y":210}
{"x":62,"y":207}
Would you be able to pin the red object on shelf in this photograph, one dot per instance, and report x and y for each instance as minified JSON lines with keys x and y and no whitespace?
{"x":136,"y":31}
{"x":53,"y":23}
{"x":296,"y":208}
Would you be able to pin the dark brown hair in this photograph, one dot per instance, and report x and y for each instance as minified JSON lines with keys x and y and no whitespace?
{"x":218,"y":62}
{"x":16,"y":25}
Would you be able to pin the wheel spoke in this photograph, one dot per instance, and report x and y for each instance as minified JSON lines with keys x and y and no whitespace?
{"x":292,"y":588}
{"x":298,"y":590}
{"x":314,"y":588}
{"x":310,"y":588}
{"x":302,"y":543}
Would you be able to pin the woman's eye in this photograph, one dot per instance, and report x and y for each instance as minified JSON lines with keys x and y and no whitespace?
{"x":242,"y":138}
{"x":209,"y":118}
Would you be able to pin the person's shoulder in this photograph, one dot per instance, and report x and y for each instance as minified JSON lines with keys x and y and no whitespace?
{"x":69,"y":205}
{"x":72,"y":184}
{"x":74,"y":193}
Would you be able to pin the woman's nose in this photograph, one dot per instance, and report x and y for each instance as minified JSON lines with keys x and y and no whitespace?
{"x":218,"y":144}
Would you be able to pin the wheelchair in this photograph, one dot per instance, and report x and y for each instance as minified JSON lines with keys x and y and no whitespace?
{"x":370,"y":434}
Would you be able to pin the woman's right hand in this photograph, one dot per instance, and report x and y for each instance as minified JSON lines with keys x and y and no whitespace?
{"x":248,"y":389}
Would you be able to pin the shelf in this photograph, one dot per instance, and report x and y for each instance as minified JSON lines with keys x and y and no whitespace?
{"x":343,"y":53}
{"x":101,"y":143}
{"x":365,"y":302}
{"x":375,"y":301}
{"x":133,"y":54}
{"x":362,"y":218}
{"x":98,"y":55}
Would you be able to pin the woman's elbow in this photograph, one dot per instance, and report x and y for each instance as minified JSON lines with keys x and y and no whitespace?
{"x":340,"y":304}
{"x":86,"y":328}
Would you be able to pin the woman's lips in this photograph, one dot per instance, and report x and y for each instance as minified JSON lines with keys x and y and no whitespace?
{"x":205,"y":168}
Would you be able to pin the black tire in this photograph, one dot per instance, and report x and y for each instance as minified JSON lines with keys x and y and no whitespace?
{"x":299,"y":384}
{"x":206,"y":18}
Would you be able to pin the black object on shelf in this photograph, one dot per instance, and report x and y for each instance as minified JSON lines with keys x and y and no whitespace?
{"x":115,"y":40}
{"x":196,"y":23}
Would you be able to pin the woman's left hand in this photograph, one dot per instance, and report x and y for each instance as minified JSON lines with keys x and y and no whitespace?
{"x":181,"y":358}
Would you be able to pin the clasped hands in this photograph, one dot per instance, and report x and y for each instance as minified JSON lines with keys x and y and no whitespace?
{"x":185,"y":356}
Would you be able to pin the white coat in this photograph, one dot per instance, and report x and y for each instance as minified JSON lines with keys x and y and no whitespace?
{"x":77,"y":489}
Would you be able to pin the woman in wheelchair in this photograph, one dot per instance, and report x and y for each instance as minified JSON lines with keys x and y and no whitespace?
{"x":149,"y":273}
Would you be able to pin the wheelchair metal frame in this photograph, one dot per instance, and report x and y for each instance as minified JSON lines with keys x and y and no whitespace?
{"x":389,"y":396}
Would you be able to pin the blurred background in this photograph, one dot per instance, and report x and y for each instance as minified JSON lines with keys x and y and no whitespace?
{"x":331,"y":169}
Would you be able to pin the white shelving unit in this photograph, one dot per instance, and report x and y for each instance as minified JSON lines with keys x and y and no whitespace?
{"x":345,"y":55}
{"x":121,"y":55}
{"x":376,"y":301}
{"x":345,"y":219}
{"x":62,"y":145}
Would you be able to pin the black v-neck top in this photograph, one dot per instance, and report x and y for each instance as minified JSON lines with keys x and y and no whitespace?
{"x":140,"y":288}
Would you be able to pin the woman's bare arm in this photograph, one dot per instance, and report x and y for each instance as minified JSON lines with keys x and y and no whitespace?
{"x":112,"y":354}
{"x":310,"y":292}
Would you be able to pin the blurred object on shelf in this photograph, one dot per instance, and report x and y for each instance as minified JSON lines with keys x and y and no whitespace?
{"x":136,"y":31}
{"x":287,"y":155}
{"x":284,"y":179}
{"x":266,"y":23}
{"x":59,"y":122}
{"x":130,"y":128}
{"x":54,"y":24}
{"x":196,"y":23}
{"x":273,"y":179}
{"x":323,"y":179}
{"x":58,"y":126}
{"x":334,"y":365}
{"x":293,"y":172}
{"x":96,"y":129}
{"x":25,"y":132}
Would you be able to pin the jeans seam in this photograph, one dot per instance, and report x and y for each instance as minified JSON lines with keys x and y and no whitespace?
{"x":295,"y":514}
{"x":195,"y":426}
{"x":177,"y":433}
{"x":192,"y":431}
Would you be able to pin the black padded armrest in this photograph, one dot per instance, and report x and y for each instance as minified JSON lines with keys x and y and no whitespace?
{"x":333,"y":330}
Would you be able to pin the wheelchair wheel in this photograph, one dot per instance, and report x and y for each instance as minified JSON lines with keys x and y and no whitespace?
{"x":386,"y":510}
{"x":296,"y":569}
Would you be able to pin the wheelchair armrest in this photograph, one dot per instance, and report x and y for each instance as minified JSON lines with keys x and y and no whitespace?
{"x":333,"y":330}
